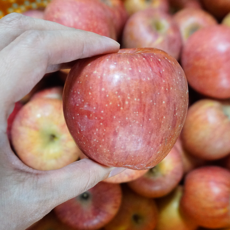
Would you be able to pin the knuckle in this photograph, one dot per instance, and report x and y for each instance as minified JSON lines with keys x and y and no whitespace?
{"x":32,"y":38}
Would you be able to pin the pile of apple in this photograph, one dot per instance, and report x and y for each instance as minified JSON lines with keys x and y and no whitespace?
{"x":130,"y":109}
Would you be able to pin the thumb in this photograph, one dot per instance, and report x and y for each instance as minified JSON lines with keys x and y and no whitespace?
{"x":74,"y":179}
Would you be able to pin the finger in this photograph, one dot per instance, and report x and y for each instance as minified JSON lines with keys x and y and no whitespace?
{"x":25,"y":61}
{"x":74,"y":179}
{"x":14,"y":24}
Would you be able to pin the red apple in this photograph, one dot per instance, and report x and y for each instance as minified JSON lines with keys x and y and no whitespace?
{"x":90,"y":15}
{"x":189,"y":161}
{"x":218,"y":8}
{"x":206,"y":197}
{"x":126,"y":109}
{"x":151,"y":28}
{"x":126,"y":176}
{"x":162,"y":179}
{"x":53,"y":93}
{"x":177,"y":5}
{"x":205,"y":60}
{"x":119,"y":13}
{"x":191,"y":20}
{"x":136,"y":212}
{"x":132,"y":6}
{"x":206,"y":132}
{"x":170,"y":215}
{"x":17,"y":106}
{"x":34,"y":13}
{"x":92,"y":209}
{"x":40,"y":136}
{"x":50,"y":222}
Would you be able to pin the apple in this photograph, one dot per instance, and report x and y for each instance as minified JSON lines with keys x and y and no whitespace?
{"x":119,"y":14}
{"x":170,"y":215}
{"x":177,"y":5}
{"x":226,"y":20}
{"x":50,"y":222}
{"x":40,"y":136}
{"x":162,"y":179}
{"x":34,"y":13}
{"x":206,"y":197}
{"x":126,"y":109}
{"x":151,"y":28}
{"x":136,"y":212}
{"x":206,"y":131}
{"x":190,"y":20}
{"x":132,"y":6}
{"x":205,"y":59}
{"x":17,"y":106}
{"x":90,"y":15}
{"x":53,"y":93}
{"x":126,"y":176}
{"x":218,"y":8}
{"x":189,"y":161}
{"x":92,"y":209}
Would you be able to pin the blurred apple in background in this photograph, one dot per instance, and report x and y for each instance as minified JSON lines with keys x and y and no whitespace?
{"x":34,"y":13}
{"x":206,"y":197}
{"x":170,"y":214}
{"x":189,"y":161}
{"x":226,"y":20}
{"x":205,"y":60}
{"x":126,"y":176}
{"x":177,"y":5}
{"x":133,"y":6}
{"x":206,"y":132}
{"x":93,"y":208}
{"x":90,"y":15}
{"x":162,"y":179}
{"x":136,"y":212}
{"x":40,"y":136}
{"x":152,"y":28}
{"x":126,"y":109}
{"x":53,"y":93}
{"x":218,"y":8}
{"x":191,"y":20}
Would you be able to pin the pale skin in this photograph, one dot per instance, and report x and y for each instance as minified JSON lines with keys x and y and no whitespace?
{"x":30,"y":48}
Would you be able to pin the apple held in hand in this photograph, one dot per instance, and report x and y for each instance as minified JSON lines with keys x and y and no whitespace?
{"x":206,"y":197}
{"x":92,"y":209}
{"x":126,"y":109}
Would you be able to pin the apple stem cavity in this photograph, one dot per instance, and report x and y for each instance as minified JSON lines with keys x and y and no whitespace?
{"x":137,"y":218}
{"x":84,"y":196}
{"x":159,"y":26}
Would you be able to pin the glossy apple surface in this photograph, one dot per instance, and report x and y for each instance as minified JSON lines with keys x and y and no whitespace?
{"x":40,"y":136}
{"x":170,"y":214}
{"x":90,"y":15}
{"x":206,"y":131}
{"x":205,"y":59}
{"x":136,"y":213}
{"x":133,"y":6}
{"x":190,"y":20}
{"x":152,"y":28}
{"x":206,"y":197}
{"x":162,"y":179}
{"x":126,"y":109}
{"x":126,"y":176}
{"x":92,"y":209}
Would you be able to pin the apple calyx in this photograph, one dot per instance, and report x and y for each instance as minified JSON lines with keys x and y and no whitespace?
{"x":137,"y":219}
{"x":84,"y":197}
{"x":159,"y":25}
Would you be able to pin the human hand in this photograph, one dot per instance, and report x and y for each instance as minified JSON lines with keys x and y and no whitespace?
{"x":29,"y":49}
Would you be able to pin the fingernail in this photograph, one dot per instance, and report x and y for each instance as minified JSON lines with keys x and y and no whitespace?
{"x":116,"y":171}
{"x":111,"y":41}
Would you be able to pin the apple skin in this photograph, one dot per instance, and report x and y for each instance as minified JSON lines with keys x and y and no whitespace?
{"x":151,"y":28}
{"x":136,"y":212}
{"x":53,"y":93}
{"x":206,"y":197}
{"x":170,"y":215}
{"x":206,"y":131}
{"x":34,"y":13}
{"x":93,"y":209}
{"x":190,"y":20}
{"x":40,"y":136}
{"x":219,"y":8}
{"x":226,"y":20}
{"x":162,"y":179}
{"x":133,"y":6}
{"x":80,"y":14}
{"x":189,"y":161}
{"x":205,"y":59}
{"x":126,"y":109}
{"x":126,"y":176}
